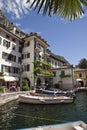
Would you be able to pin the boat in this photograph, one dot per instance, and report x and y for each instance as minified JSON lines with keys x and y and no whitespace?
{"x":32,"y":99}
{"x":44,"y":95}
{"x":56,"y":92}
{"x":59,"y":92}
{"x":53,"y":92}
{"x":78,"y":125}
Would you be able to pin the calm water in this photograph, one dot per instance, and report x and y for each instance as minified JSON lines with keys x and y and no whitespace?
{"x":17,"y":116}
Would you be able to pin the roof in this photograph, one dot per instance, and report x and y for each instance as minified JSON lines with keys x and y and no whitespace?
{"x":38,"y":36}
{"x":5,"y":29}
{"x":63,"y":67}
{"x":60,"y":58}
{"x":9,"y":25}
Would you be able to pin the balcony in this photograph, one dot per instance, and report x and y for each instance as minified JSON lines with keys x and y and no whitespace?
{"x":42,"y":72}
{"x":38,"y":48}
{"x":47,"y":53}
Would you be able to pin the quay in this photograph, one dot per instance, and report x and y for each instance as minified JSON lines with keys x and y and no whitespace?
{"x":7,"y":97}
{"x":10,"y":96}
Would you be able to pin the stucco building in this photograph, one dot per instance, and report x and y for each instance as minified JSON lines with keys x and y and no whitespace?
{"x":80,"y":77}
{"x":19,"y":53}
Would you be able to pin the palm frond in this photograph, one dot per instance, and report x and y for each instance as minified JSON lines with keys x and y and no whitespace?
{"x":71,"y":9}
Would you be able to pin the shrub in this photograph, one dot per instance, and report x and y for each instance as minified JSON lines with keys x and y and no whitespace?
{"x":2,"y":88}
{"x":85,"y":85}
{"x":25,"y":88}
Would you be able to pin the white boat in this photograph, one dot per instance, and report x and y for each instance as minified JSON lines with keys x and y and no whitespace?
{"x":45,"y":99}
{"x":78,"y":125}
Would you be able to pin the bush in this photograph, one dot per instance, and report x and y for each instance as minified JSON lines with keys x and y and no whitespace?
{"x":25,"y":88}
{"x":2,"y":89}
{"x":85,"y":85}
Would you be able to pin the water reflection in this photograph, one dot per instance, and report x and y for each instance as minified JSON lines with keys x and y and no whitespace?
{"x":6,"y":115}
{"x":16,"y":116}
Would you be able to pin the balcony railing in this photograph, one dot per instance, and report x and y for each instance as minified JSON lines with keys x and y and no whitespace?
{"x":38,"y":48}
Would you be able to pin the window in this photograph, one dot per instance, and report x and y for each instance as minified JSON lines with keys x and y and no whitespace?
{"x":0,"y":40}
{"x":13,"y":39}
{"x":80,"y":75}
{"x":54,"y":73}
{"x":4,"y":55}
{"x":13,"y":46}
{"x":20,"y":49}
{"x":28,"y":55}
{"x":55,"y":63}
{"x":14,"y":58}
{"x":6,"y":43}
{"x":2,"y":68}
{"x":9,"y":57}
{"x":7,"y":36}
{"x":19,"y":59}
{"x":26,"y":67}
{"x":9,"y":69}
{"x":22,"y":56}
{"x":20,"y":43}
{"x":26,"y":44}
{"x":62,"y":72}
{"x":16,"y":70}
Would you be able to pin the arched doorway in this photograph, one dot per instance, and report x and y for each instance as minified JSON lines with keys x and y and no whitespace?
{"x":79,"y":82}
{"x":25,"y":82}
{"x":38,"y":83}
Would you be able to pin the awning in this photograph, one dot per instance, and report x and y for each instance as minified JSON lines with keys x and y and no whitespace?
{"x":79,"y":80}
{"x":10,"y":78}
{"x":1,"y":78}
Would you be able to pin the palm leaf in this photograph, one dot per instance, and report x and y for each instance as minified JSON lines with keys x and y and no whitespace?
{"x":71,"y":9}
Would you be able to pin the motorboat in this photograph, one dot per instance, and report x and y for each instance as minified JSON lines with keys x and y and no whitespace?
{"x":78,"y":125}
{"x":44,"y":95}
{"x":33,"y":99}
{"x":70,"y":93}
{"x":53,"y":92}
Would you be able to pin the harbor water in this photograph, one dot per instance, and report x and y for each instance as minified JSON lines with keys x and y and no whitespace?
{"x":16,"y":115}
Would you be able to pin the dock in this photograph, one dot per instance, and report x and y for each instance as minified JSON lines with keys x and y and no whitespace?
{"x":11,"y":96}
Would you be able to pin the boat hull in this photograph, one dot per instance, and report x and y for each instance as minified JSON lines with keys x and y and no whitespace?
{"x":44,"y":100}
{"x":78,"y":125}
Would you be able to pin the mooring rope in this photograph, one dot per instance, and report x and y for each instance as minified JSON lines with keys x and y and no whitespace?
{"x":35,"y":117}
{"x":41,"y":118}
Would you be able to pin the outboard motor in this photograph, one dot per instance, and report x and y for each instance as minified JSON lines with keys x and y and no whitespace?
{"x":70,"y":94}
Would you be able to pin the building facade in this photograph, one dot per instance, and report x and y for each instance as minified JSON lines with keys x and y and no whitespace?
{"x":10,"y":54}
{"x":80,"y":77}
{"x":21,"y":52}
{"x":64,"y":77}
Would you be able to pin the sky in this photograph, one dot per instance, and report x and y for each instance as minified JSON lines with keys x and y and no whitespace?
{"x":66,"y":38}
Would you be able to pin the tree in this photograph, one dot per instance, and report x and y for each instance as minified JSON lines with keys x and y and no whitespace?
{"x":83,"y":63}
{"x":71,"y":9}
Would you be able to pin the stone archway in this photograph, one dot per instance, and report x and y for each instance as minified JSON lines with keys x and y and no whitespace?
{"x":38,"y":83}
{"x":80,"y":82}
{"x":25,"y":81}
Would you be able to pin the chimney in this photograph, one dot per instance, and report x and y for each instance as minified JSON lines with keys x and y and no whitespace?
{"x":14,"y":30}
